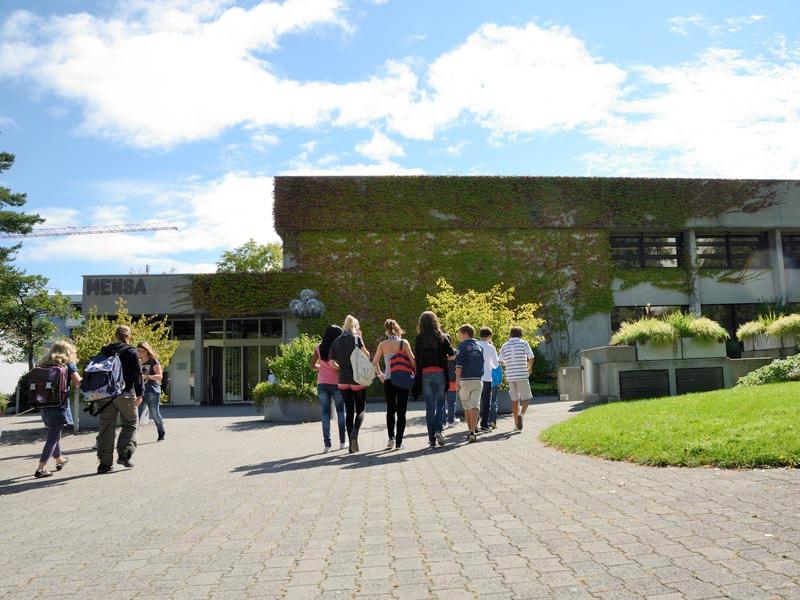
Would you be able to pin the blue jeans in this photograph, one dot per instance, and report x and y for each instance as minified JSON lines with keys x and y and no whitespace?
{"x":327,"y":392}
{"x":488,"y":404}
{"x":433,"y":389}
{"x":153,"y":402}
{"x":451,"y":407}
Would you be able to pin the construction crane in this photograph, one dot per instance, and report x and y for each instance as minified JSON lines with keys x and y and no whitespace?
{"x":91,"y":230}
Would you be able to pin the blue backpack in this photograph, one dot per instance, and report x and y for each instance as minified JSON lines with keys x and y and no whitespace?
{"x":497,"y":376}
{"x":102,"y":378}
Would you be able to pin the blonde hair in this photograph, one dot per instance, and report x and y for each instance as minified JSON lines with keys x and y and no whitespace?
{"x":123,"y":333}
{"x":60,"y":353}
{"x":351,"y":324}
{"x":149,"y":349}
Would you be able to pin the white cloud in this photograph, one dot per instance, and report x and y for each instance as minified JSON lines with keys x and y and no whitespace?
{"x":456,"y":149}
{"x":56,"y":216}
{"x":380,"y":148}
{"x":211,"y":216}
{"x":682,"y":24}
{"x":721,"y":115}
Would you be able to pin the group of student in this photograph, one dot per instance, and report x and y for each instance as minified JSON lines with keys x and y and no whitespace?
{"x":472,"y":371}
{"x":142,"y":375}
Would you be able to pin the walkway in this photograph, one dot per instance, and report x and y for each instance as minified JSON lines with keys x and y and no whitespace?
{"x":229,"y":507}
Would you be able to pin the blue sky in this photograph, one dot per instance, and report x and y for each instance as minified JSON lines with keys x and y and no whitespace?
{"x":184,"y":111}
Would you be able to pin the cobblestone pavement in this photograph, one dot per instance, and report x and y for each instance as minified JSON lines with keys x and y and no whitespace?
{"x":229,"y":507}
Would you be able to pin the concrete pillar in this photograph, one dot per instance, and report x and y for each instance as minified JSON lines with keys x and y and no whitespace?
{"x":776,"y":260}
{"x":199,"y":363}
{"x":695,"y":301}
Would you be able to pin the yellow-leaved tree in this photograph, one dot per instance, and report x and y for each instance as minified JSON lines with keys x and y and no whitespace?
{"x":98,"y":331}
{"x":494,"y":308}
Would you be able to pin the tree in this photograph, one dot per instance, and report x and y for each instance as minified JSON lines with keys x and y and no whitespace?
{"x":251,"y":257}
{"x":492,"y":308}
{"x":13,"y":221}
{"x":98,"y":331}
{"x":26,"y":310}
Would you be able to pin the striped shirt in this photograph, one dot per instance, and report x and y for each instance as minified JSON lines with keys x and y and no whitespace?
{"x":514,"y":355}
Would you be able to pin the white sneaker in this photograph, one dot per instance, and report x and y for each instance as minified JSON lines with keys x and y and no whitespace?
{"x":342,"y":446}
{"x":447,"y":425}
{"x":390,"y":444}
{"x":401,"y":447}
{"x":327,"y":449}
{"x":456,"y":421}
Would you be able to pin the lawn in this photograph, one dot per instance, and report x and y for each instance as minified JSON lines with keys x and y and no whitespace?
{"x":740,"y":427}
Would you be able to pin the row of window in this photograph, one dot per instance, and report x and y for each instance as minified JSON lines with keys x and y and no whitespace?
{"x":714,"y":251}
{"x":238,"y":329}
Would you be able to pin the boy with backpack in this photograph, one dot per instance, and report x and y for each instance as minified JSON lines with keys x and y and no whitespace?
{"x":469,"y":371}
{"x":115,"y":373}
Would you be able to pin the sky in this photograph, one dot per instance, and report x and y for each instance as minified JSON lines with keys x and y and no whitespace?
{"x":184,"y":111}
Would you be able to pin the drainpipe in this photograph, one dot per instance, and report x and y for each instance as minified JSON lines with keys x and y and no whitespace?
{"x":695,"y":301}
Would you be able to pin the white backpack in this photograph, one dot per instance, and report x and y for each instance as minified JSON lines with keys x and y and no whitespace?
{"x":363,"y":369}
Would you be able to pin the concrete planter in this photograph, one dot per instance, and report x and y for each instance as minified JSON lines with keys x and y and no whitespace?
{"x":789,"y":341}
{"x":691,"y":348}
{"x":290,"y":410}
{"x":652,"y":352}
{"x":762,"y":342}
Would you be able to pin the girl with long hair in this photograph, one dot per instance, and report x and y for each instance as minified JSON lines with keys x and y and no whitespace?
{"x":353,"y":394}
{"x":433,"y":351}
{"x":61,"y":354}
{"x":328,"y":386}
{"x":396,"y":397}
{"x":151,"y":377}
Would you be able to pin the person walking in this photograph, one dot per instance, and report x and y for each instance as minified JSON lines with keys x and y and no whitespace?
{"x":488,"y":389}
{"x":517,"y":357}
{"x":396,"y":396}
{"x":61,"y":354}
{"x":151,"y":376}
{"x":469,"y":371}
{"x":353,"y":393}
{"x":328,"y":386}
{"x":124,"y":405}
{"x":432,"y":350}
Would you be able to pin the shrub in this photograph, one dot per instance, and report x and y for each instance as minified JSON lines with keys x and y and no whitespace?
{"x":292,"y":365}
{"x":264,"y":391}
{"x":644,"y":331}
{"x":543,"y":370}
{"x":751,"y":329}
{"x":785,"y":326}
{"x":5,"y":400}
{"x":777,"y":371}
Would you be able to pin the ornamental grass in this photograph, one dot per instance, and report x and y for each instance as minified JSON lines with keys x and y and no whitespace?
{"x":785,"y":326}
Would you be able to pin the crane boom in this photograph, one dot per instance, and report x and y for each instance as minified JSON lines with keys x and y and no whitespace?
{"x":91,"y":230}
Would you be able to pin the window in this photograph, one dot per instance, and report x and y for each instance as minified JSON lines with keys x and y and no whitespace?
{"x":647,"y":251}
{"x":212,"y":329}
{"x":791,"y":251}
{"x":271,"y":328}
{"x":236,"y":329}
{"x":182,"y":329}
{"x":732,"y":251}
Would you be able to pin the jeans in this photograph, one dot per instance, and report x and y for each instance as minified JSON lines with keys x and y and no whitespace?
{"x":153,"y":402}
{"x":354,"y":404}
{"x":488,"y":404}
{"x":433,"y":388}
{"x":327,"y":392}
{"x":450,"y":414}
{"x":54,"y":419}
{"x":396,"y":403}
{"x":125,"y":407}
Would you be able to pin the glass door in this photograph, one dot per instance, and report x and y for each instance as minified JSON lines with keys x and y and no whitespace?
{"x":233,"y":374}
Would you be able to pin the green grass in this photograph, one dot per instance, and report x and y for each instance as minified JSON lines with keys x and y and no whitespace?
{"x":735,"y":428}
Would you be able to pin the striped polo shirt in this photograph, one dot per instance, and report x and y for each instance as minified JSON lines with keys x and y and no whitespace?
{"x":515,"y":354}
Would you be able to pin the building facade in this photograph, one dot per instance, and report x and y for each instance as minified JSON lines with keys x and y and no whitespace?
{"x":592,"y":251}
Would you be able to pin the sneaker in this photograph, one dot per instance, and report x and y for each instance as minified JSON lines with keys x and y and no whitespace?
{"x":61,"y":465}
{"x":456,"y":421}
{"x":520,"y":421}
{"x":342,"y":445}
{"x":327,"y":450}
{"x":472,"y":438}
{"x":125,"y":462}
{"x":42,"y":473}
{"x":448,"y":425}
{"x":401,"y":447}
{"x":390,"y":444}
{"x":103,"y":469}
{"x":484,"y":430}
{"x":439,"y":439}
{"x":161,"y":437}
{"x":353,"y":445}
{"x":494,"y":424}
{"x":432,"y":446}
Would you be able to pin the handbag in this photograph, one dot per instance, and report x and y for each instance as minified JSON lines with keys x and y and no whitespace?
{"x":363,"y":369}
{"x":402,"y":374}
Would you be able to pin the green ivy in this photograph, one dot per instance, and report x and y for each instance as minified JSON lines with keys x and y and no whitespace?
{"x":668,"y":279}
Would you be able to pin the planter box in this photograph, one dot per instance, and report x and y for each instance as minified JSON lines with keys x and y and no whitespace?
{"x":288,"y":410}
{"x":691,"y":348}
{"x":651,"y":352}
{"x":762,"y":342}
{"x":789,"y":341}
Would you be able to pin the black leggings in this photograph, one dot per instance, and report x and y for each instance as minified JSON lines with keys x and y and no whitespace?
{"x":354,"y":403}
{"x":396,"y":402}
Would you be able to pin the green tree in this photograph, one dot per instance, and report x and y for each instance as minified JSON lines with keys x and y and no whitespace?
{"x":26,"y":309}
{"x":12,"y":221}
{"x":98,"y":331}
{"x":251,"y":257}
{"x":493,"y":308}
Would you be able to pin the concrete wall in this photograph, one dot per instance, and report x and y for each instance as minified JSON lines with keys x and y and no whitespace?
{"x":757,"y":284}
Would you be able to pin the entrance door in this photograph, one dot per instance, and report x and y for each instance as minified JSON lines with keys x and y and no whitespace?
{"x":233,"y":374}
{"x":214,"y":375}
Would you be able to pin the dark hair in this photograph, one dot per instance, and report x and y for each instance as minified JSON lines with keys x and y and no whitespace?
{"x":392,"y":327}
{"x":516,"y":332}
{"x":485,"y":332}
{"x":429,"y":329}
{"x":331,"y":333}
{"x":468,"y":329}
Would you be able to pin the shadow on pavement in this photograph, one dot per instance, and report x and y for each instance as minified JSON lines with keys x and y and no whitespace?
{"x":8,"y":487}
